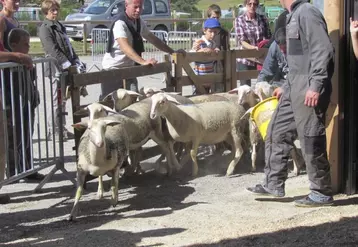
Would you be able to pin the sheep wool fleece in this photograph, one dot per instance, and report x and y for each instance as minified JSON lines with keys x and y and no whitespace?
{"x":310,"y":57}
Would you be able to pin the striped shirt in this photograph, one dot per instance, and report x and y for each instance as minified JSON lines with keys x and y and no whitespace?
{"x":251,"y":31}
{"x":203,"y":68}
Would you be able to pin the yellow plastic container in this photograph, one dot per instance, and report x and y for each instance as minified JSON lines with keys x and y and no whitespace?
{"x":262,"y":112}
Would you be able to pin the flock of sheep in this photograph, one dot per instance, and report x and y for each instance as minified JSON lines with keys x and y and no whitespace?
{"x":176,"y":123}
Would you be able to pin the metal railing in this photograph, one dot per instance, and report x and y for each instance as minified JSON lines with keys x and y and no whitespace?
{"x":28,"y":110}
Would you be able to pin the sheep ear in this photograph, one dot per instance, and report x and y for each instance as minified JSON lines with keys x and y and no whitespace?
{"x":234,"y":91}
{"x":262,"y":95}
{"x":109,"y":109}
{"x":80,"y":125}
{"x":111,"y":122}
{"x":132,"y":93}
{"x":81,"y":112}
{"x":172,"y":99}
{"x":248,"y":112}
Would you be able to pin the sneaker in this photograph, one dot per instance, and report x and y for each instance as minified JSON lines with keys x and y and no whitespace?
{"x":307,"y":202}
{"x":4,"y":199}
{"x":260,"y":190}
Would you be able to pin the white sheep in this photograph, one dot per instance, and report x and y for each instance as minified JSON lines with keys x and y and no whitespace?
{"x":206,"y":123}
{"x":263,"y":90}
{"x":122,"y":98}
{"x":102,"y":149}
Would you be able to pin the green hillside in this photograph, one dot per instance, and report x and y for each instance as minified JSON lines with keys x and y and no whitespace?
{"x":225,"y":4}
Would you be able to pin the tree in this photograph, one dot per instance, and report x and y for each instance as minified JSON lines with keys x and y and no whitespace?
{"x":188,"y":6}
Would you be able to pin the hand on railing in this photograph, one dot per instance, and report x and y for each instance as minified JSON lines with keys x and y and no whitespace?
{"x":24,"y":59}
{"x":151,"y":61}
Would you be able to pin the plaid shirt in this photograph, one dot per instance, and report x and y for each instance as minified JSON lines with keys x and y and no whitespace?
{"x":251,"y":31}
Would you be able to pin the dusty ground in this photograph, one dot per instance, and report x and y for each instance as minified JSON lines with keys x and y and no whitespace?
{"x":154,"y":210}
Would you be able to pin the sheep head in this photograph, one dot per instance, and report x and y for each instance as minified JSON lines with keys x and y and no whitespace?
{"x":149,"y":91}
{"x":95,"y":110}
{"x":245,"y":94}
{"x":96,"y":129}
{"x":160,"y":103}
{"x":122,"y":98}
{"x":263,"y":90}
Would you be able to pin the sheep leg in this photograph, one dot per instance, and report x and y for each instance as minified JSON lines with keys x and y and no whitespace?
{"x":236,"y":144}
{"x":100,"y":187}
{"x":193,"y":153}
{"x":179,"y":147}
{"x":186,"y":156}
{"x":80,"y":181}
{"x":114,"y":185}
{"x":297,"y":160}
{"x":167,"y":152}
{"x":253,"y":157}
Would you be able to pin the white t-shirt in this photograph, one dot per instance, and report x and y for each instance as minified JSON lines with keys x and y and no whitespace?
{"x":117,"y":57}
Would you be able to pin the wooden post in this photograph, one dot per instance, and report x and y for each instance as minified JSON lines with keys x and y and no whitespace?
{"x":334,"y":14}
{"x":84,"y":38}
{"x":227,"y":71}
{"x":233,"y":69}
{"x":178,"y":71}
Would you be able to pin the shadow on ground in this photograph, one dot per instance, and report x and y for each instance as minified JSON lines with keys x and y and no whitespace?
{"x":341,"y":233}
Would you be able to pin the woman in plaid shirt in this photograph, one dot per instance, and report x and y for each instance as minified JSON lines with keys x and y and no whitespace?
{"x":251,"y":28}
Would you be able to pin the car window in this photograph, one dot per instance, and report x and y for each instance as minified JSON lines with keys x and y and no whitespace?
{"x":98,"y":7}
{"x":147,"y":7}
{"x":160,"y":7}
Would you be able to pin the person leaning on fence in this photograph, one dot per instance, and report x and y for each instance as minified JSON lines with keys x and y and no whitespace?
{"x":251,"y":29}
{"x":310,"y":57}
{"x":354,"y":36}
{"x":125,"y":45}
{"x":19,"y":41}
{"x":222,"y":41}
{"x":275,"y":66}
{"x":7,"y":20}
{"x":27,"y":62}
{"x":56,"y":44}
{"x":207,"y":45}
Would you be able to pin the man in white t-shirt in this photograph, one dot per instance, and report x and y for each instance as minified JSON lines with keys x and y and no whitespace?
{"x":122,"y":52}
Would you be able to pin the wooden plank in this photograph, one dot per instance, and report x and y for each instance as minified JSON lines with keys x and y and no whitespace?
{"x":227,"y":71}
{"x":168,"y":74}
{"x":334,"y":14}
{"x":178,"y":71}
{"x":187,"y":81}
{"x":233,"y":70}
{"x":247,"y":74}
{"x":204,"y":57}
{"x":107,"y":76}
{"x":261,"y":53}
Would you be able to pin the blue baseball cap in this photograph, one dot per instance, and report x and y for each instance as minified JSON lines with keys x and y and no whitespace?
{"x":212,"y":23}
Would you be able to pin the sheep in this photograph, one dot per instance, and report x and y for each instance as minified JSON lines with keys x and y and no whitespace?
{"x":101,"y":150}
{"x":263,"y":90}
{"x":246,"y":95}
{"x":207,"y":123}
{"x":122,"y":98}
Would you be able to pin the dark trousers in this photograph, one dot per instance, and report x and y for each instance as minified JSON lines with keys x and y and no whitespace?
{"x":291,"y":115}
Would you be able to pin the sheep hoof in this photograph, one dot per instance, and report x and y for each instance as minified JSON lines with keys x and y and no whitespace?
{"x":114,"y":203}
{"x":99,"y":196}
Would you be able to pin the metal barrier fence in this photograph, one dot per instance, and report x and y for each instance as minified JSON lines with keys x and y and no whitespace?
{"x":176,"y":40}
{"x":27,"y":112}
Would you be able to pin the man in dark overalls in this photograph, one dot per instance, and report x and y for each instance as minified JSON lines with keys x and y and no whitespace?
{"x":303,"y":105}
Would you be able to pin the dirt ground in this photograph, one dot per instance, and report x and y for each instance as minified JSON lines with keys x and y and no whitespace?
{"x":155,"y":210}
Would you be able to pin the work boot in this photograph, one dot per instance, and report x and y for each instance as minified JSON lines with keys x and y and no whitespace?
{"x":260,"y":190}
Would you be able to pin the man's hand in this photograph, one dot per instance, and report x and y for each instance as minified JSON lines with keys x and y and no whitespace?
{"x":151,"y":61}
{"x":353,"y":26}
{"x":277,"y":93}
{"x":311,"y":99}
{"x":25,"y":60}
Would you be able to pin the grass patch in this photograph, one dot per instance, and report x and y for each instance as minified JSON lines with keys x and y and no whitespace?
{"x":36,"y":47}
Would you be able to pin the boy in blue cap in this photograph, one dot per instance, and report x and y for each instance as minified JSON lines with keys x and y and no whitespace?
{"x":206,"y":44}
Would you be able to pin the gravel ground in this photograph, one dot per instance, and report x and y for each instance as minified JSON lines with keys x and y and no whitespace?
{"x":154,"y":210}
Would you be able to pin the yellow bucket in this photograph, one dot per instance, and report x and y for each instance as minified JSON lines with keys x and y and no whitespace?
{"x":262,"y":112}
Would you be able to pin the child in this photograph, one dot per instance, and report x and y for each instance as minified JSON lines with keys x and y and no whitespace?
{"x":222,"y":40}
{"x":206,"y":44}
{"x":19,"y":41}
